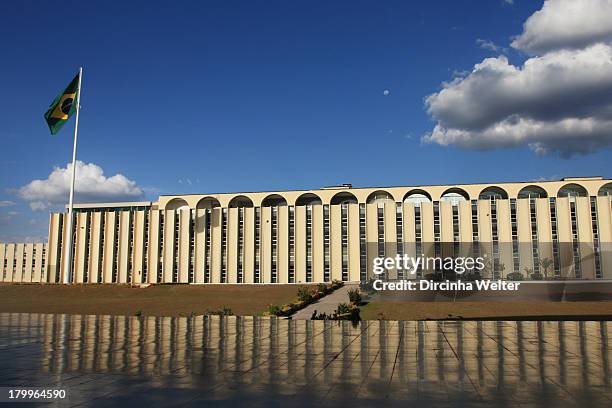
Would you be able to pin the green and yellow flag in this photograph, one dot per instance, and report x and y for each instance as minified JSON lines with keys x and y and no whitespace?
{"x":63,"y":106}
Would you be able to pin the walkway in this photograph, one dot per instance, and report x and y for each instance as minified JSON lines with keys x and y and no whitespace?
{"x":327,"y":304}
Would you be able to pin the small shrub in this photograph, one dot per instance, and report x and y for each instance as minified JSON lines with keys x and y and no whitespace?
{"x":224,"y":311}
{"x":303,"y":294}
{"x":273,"y":310}
{"x":322,"y":288}
{"x":515,"y":276}
{"x":138,"y":313}
{"x":354,"y":296}
{"x":536,"y":276}
{"x":343,"y":308}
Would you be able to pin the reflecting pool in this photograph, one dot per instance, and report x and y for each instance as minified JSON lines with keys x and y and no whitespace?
{"x":234,"y":361}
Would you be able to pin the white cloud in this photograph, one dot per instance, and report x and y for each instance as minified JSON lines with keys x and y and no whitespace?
{"x":6,"y":203}
{"x":91,"y":186}
{"x":566,"y":24}
{"x":509,"y":2}
{"x":558,"y":102}
{"x":489,"y":45}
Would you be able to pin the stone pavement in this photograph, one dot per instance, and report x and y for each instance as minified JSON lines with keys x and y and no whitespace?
{"x":117,"y":361}
{"x":327,"y":304}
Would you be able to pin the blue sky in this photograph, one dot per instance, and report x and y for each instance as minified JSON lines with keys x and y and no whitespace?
{"x":222,"y":96}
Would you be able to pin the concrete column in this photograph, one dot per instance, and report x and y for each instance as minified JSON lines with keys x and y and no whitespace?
{"x":215,"y":275}
{"x":109,"y":243}
{"x":154,"y":255}
{"x":95,"y":253}
{"x":317,"y":244}
{"x":585,"y":237}
{"x":139,"y":246}
{"x":545,"y":247}
{"x":564,"y":227}
{"x":3,"y":262}
{"x":29,"y":265}
{"x":19,"y":257}
{"x":200,"y":245}
{"x":248,"y":270}
{"x":283,"y":244}
{"x":604,"y":224}
{"x":504,"y":230}
{"x":184,"y":242}
{"x":10,"y":263}
{"x":38,"y":275}
{"x":80,"y":249}
{"x":169,"y":243}
{"x":124,"y":245}
{"x":391,"y":234}
{"x":353,"y":242}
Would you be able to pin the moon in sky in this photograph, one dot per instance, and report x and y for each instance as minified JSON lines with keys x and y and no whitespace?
{"x":386,"y":92}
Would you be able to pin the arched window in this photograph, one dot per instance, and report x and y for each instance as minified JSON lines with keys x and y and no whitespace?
{"x":493,"y":193}
{"x":605,"y":190}
{"x":572,"y":190}
{"x":379,"y":197}
{"x":240,"y":202}
{"x":342,"y":198}
{"x":177,"y":204}
{"x":208,"y":203}
{"x":455,"y":195}
{"x":417,"y":197}
{"x":532,"y":192}
{"x":274,"y":200}
{"x":308,"y":199}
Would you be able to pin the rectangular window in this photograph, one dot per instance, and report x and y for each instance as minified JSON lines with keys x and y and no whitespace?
{"x":87,"y":249}
{"x":160,"y":262}
{"x":514,"y":231}
{"x":192,"y":221}
{"x":274,"y":247}
{"x":257,"y":266}
{"x":363,"y":256}
{"x":436,"y":216}
{"x":575,"y":240}
{"x":145,"y":252}
{"x":344,"y":209}
{"x":240,"y":261}
{"x":224,"y":245}
{"x":177,"y":240}
{"x":596,"y":245}
{"x":399,"y":232}
{"x":207,"y":244}
{"x":555,"y":237}
{"x":102,"y":235}
{"x":116,"y":247}
{"x":418,"y":237}
{"x":495,"y":238}
{"x":326,"y":244}
{"x":456,"y":238}
{"x":291,"y":244}
{"x":131,"y":247}
{"x":533,"y":217}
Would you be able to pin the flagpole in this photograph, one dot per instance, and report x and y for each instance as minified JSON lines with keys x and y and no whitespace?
{"x":68,"y":257}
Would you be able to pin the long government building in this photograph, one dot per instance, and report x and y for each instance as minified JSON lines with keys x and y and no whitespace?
{"x":551,"y":230}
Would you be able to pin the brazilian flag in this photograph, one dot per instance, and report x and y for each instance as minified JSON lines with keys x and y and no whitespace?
{"x":63,"y":106}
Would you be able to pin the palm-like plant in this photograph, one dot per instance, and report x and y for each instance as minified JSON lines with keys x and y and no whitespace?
{"x":546,"y":264}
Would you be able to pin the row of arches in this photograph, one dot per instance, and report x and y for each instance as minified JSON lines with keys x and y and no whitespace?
{"x":415,"y":196}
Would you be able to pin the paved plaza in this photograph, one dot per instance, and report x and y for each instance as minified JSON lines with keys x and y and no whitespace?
{"x":235,"y":361}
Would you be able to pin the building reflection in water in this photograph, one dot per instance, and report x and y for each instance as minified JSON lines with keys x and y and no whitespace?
{"x":483,"y":360}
